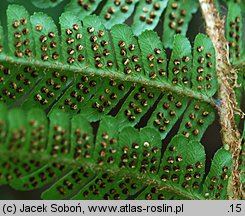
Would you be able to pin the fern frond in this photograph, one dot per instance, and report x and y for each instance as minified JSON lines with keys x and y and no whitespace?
{"x":111,"y":98}
{"x":178,"y":15}
{"x":234,"y":31}
{"x":99,"y":56}
{"x":142,"y":65}
{"x":82,"y":8}
{"x":234,"y":35}
{"x":120,"y":164}
{"x":146,"y":14}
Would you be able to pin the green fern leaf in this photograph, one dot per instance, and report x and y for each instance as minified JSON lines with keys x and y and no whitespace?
{"x":72,"y":40}
{"x":180,"y":62}
{"x":147,"y":15}
{"x":69,"y":184}
{"x":82,"y":8}
{"x":183,"y":165}
{"x":152,"y":193}
{"x":181,"y":168}
{"x":19,"y":27}
{"x":178,"y":15}
{"x":46,"y":3}
{"x":115,"y":12}
{"x":203,"y":64}
{"x":46,"y":38}
{"x":234,"y":31}
{"x":218,"y":176}
{"x":196,"y":120}
{"x":153,"y":56}
{"x":241,"y":3}
{"x":108,"y":186}
{"x":99,"y":106}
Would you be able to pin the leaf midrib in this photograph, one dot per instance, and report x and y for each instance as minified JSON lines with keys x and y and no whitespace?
{"x":94,"y":167}
{"x":160,"y":85}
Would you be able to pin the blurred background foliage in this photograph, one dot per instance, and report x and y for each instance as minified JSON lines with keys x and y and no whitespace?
{"x":7,"y":192}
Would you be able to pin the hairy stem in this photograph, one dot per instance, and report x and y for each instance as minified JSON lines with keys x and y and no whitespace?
{"x":227,"y":80}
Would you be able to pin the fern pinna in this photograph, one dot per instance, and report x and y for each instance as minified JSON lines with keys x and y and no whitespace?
{"x":87,"y":109}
